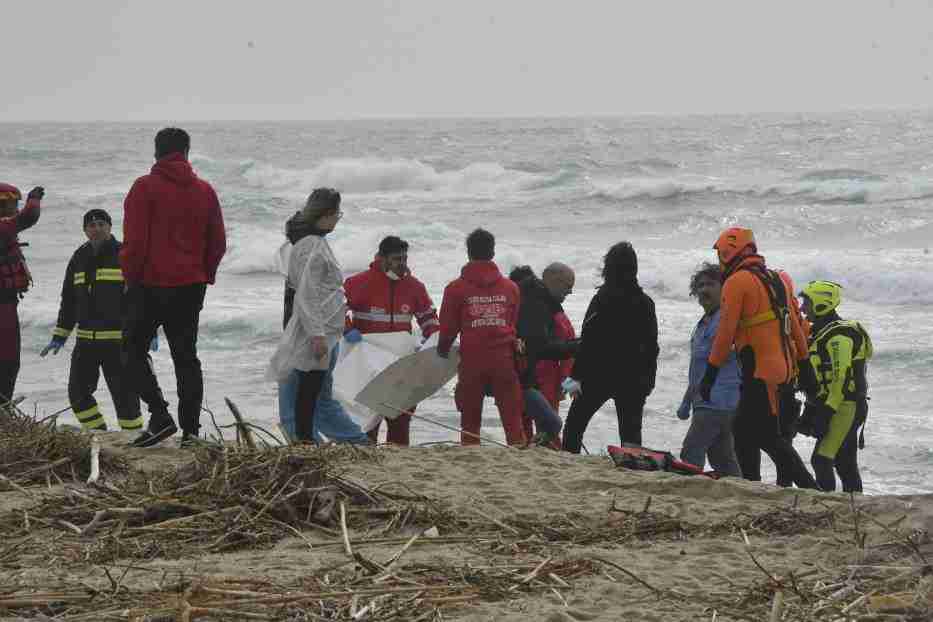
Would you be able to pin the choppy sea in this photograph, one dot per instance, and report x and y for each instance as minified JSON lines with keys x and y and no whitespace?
{"x":845,"y":197}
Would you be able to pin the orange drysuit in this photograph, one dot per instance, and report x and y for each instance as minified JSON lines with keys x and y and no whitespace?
{"x":747,"y":320}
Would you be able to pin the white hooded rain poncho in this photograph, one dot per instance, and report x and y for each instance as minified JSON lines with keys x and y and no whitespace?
{"x":319,"y":308}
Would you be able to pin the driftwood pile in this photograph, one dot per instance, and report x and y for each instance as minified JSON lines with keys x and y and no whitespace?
{"x":230,"y":497}
{"x":34,"y":451}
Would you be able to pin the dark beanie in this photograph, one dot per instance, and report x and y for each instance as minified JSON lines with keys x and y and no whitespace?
{"x":97,"y":214}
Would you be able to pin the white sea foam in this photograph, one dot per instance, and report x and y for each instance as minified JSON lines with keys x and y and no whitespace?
{"x":822,"y":190}
{"x":368,"y":175}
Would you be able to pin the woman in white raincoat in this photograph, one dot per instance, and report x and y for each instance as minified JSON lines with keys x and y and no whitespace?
{"x":317,"y":320}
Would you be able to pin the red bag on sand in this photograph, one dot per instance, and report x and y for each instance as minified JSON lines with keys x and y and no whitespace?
{"x":644,"y":459}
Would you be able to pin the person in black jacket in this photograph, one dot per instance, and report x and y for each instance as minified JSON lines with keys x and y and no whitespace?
{"x":540,"y":303}
{"x":93,"y":299}
{"x":618,"y":355}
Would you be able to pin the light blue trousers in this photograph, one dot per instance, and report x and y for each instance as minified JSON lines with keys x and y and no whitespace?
{"x":330,"y":419}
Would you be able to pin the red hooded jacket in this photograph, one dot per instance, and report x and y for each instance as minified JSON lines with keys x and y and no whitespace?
{"x":482,"y":306}
{"x":173,"y":229}
{"x":383,"y":305}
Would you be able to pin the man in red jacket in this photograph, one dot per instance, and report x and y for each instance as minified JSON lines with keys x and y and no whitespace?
{"x":173,"y":240}
{"x":482,"y":306}
{"x":14,"y":279}
{"x":384,"y":299}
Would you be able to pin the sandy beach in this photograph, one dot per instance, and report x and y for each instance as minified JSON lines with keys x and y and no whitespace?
{"x":445,"y":532}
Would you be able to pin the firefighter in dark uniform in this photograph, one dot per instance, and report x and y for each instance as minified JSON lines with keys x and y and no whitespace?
{"x":93,"y":300}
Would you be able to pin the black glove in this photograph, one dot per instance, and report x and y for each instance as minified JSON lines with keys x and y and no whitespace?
{"x":806,"y":377}
{"x":815,"y":419}
{"x":709,"y":379}
{"x":36,"y":193}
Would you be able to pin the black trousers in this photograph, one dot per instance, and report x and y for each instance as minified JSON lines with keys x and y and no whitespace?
{"x":630,"y":408}
{"x":755,"y":430}
{"x":177,"y":310}
{"x":9,"y":350}
{"x":788,"y":414}
{"x":88,"y":358}
{"x":309,"y":388}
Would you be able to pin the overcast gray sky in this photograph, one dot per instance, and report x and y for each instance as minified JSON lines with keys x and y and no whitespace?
{"x":277,"y":59}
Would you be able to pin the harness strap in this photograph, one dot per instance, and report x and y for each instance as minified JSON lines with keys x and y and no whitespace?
{"x":777,"y":296}
{"x":755,"y":320}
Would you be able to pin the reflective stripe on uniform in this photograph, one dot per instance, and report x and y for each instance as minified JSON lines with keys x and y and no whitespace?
{"x":398,"y":318}
{"x":131,"y":424}
{"x":79,"y":278}
{"x":109,"y":274}
{"x":99,"y":334}
{"x":61,"y":332}
{"x":755,"y":320}
{"x":90,"y":418}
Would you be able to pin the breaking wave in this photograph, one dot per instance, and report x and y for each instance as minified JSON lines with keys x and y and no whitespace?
{"x":369,"y":175}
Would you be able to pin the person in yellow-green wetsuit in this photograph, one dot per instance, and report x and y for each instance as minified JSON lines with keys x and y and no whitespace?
{"x":836,"y":385}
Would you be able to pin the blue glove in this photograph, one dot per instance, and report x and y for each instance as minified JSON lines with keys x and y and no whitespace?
{"x":571,"y":387}
{"x":353,"y":336}
{"x":154,"y":344}
{"x":684,"y":411}
{"x":54,"y":346}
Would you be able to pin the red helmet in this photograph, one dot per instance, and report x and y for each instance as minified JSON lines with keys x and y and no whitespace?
{"x":9,"y":193}
{"x":732,"y":242}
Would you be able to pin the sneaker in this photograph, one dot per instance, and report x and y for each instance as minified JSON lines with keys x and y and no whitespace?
{"x":542,"y":439}
{"x":149,"y":438}
{"x":188,"y":441}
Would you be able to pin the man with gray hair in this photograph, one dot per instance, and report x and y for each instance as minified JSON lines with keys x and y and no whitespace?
{"x":546,"y":346}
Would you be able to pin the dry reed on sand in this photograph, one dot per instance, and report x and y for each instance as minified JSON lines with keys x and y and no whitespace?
{"x":229,"y":498}
{"x":33,"y":451}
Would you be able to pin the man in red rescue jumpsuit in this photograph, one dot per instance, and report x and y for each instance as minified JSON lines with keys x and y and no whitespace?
{"x":14,"y":279}
{"x":482,"y":307}
{"x":384,"y":299}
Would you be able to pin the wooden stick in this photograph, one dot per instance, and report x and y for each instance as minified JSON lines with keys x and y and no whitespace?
{"x":631,"y":574}
{"x":46,"y":467}
{"x":177,"y":521}
{"x":241,"y":424}
{"x":777,"y":607}
{"x":15,"y":486}
{"x":281,"y":599}
{"x":372,"y":567}
{"x":95,"y":460}
{"x":388,"y":566}
{"x":531,"y":575}
{"x":494,"y":520}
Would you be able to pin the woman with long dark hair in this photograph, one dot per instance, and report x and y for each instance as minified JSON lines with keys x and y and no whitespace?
{"x":618,"y":356}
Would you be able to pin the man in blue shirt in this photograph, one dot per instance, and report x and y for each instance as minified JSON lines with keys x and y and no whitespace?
{"x":710,"y":433}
